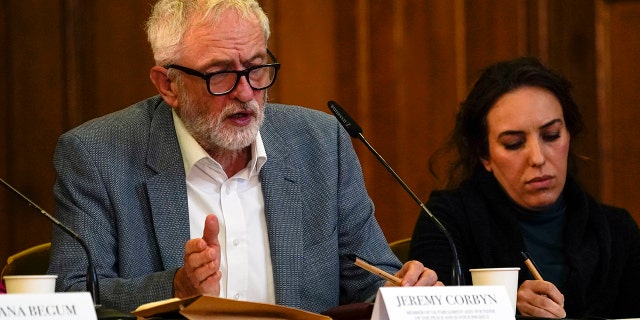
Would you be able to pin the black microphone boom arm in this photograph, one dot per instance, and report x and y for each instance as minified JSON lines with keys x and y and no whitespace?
{"x":92,"y":277}
{"x":355,"y":131}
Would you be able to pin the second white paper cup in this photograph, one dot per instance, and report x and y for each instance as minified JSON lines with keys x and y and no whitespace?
{"x":506,"y":277}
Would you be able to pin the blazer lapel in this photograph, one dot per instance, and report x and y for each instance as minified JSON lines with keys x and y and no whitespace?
{"x":167,"y":190}
{"x":283,"y":211}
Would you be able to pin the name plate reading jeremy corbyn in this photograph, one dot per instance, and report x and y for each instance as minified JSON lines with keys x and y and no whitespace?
{"x":442,"y":303}
{"x":47,"y":306}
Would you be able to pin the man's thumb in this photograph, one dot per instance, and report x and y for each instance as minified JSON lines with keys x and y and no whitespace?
{"x":211,"y":229}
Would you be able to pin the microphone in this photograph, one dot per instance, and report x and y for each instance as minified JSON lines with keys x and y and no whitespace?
{"x":92,"y":276}
{"x":355,"y":131}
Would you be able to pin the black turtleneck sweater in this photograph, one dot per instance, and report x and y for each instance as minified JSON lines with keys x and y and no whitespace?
{"x":543,"y":235}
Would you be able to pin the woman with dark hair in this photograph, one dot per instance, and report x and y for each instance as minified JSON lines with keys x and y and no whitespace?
{"x":511,"y":188}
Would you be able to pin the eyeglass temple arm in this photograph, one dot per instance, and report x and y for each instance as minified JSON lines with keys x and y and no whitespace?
{"x":272,"y":56}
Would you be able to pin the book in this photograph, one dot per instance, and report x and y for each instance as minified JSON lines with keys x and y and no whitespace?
{"x":203,"y":307}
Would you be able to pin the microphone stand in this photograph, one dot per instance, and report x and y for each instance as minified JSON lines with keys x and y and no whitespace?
{"x":92,"y":276}
{"x":355,"y":131}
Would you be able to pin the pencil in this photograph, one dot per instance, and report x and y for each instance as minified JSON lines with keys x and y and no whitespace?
{"x":531,"y":266}
{"x":377,"y":271}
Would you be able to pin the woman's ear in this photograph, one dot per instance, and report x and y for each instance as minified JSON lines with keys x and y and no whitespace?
{"x":486,"y":163}
{"x":161,"y":81}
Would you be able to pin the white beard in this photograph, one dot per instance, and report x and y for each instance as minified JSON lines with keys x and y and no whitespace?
{"x":211,"y":132}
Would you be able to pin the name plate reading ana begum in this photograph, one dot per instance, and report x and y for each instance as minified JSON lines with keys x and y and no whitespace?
{"x":47,"y":306}
{"x":442,"y":303}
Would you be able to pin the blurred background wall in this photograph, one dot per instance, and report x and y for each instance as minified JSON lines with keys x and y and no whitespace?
{"x":399,"y":67}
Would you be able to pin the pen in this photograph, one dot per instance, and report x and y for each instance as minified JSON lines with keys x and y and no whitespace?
{"x":531,"y":266}
{"x":377,"y":271}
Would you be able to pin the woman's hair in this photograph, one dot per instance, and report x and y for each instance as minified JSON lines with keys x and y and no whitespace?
{"x":469,"y":139}
{"x":170,"y":19}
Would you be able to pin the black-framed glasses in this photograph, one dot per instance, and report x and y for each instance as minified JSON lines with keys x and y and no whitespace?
{"x":219,"y":83}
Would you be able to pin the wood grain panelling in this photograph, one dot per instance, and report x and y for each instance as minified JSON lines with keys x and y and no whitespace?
{"x":413,"y":99}
{"x":493,"y":33}
{"x":389,"y":78}
{"x":306,"y":51}
{"x":109,"y":57}
{"x":571,"y":37}
{"x":624,"y":110}
{"x":400,"y":68}
{"x":5,"y":112}
{"x":535,"y":35}
{"x":34,"y":77}
{"x":66,"y":62}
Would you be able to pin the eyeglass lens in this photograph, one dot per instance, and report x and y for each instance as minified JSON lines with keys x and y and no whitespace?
{"x":260,"y":77}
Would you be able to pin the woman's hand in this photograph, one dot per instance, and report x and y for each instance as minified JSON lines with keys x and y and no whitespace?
{"x":540,"y":298}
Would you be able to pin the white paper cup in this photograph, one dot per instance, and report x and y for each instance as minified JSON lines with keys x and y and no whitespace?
{"x":506,"y":277}
{"x":31,"y":284}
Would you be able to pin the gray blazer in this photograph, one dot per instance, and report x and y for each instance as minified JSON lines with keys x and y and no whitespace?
{"x":121,"y":186}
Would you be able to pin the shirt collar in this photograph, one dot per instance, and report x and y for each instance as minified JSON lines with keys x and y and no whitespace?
{"x":192,"y":152}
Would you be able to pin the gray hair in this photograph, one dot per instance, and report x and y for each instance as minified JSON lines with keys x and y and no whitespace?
{"x":170,"y":19}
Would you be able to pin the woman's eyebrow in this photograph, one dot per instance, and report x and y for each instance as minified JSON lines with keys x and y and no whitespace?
{"x":550,"y":123}
{"x":519,"y":132}
{"x":510,"y":133}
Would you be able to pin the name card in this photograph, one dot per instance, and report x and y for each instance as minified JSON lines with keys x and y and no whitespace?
{"x":442,"y":303}
{"x":47,"y":306}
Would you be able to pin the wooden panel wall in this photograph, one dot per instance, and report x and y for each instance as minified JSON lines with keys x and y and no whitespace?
{"x":64,"y":62}
{"x":32,"y":104}
{"x":400,"y":68}
{"x":619,"y":97}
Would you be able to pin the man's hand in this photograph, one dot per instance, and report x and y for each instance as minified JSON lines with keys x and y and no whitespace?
{"x":413,"y":273}
{"x":201,"y":271}
{"x":540,"y":298}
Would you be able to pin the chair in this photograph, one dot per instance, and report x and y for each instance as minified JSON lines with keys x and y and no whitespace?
{"x":401,"y":249}
{"x":34,"y":260}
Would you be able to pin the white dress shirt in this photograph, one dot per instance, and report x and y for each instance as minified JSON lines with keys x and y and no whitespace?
{"x":238,"y":203}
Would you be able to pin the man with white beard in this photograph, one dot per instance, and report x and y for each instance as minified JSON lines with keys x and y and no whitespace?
{"x":207,"y":189}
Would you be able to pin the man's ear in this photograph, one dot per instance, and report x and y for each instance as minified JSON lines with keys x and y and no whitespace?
{"x":160,"y":79}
